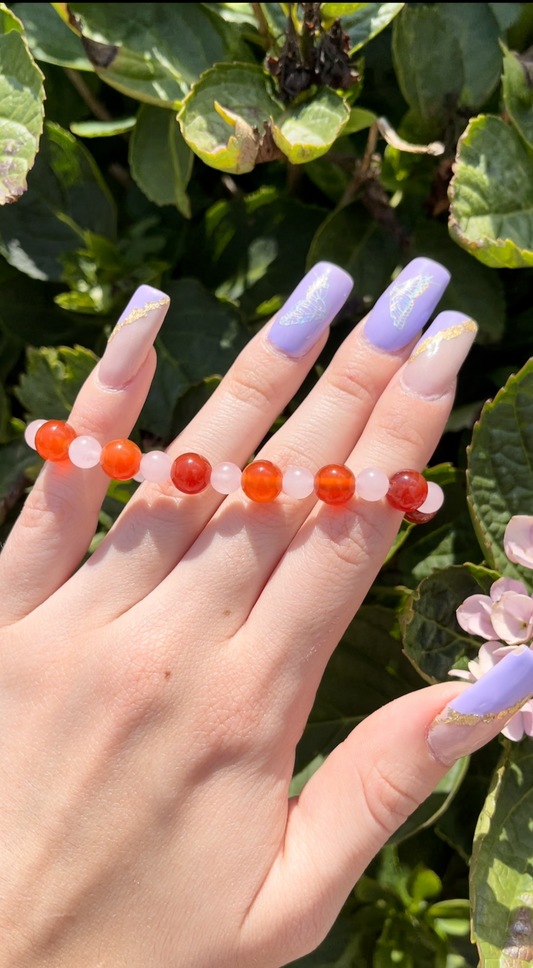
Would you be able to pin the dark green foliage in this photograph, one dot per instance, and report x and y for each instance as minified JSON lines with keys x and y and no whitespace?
{"x":140,"y":177}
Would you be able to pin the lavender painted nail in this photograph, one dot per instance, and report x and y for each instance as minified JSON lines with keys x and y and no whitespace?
{"x":406,"y":305}
{"x":310,"y":309}
{"x":133,"y":336}
{"x":480,"y":712}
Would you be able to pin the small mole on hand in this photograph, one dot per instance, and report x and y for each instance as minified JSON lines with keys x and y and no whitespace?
{"x":168,"y":675}
{"x":227,"y":611}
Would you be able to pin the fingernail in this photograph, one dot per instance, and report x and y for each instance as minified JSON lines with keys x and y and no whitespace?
{"x":310,"y":309}
{"x":132,"y":337}
{"x":481,"y":712}
{"x":406,"y":305}
{"x":439,"y":354}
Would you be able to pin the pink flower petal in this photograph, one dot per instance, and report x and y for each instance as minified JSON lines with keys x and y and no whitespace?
{"x":518,"y":540}
{"x":527,"y":719}
{"x":474,"y":616}
{"x":498,"y":588}
{"x":488,"y":655}
{"x":515,"y":728}
{"x":463,"y":674}
{"x":512,"y":618}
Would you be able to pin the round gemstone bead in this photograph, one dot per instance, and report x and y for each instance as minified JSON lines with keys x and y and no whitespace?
{"x":434,"y":500}
{"x":156,"y":466}
{"x":31,"y":430}
{"x":226,"y":478}
{"x":53,"y":440}
{"x":334,"y":484}
{"x":190,"y":473}
{"x":298,"y":482}
{"x":407,"y":490}
{"x":120,"y":459}
{"x":416,"y":517}
{"x":371,"y":484}
{"x":85,"y":451}
{"x":262,"y":481}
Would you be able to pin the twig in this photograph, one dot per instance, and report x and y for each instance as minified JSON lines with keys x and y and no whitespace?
{"x":262,"y":25}
{"x":393,"y":139}
{"x":362,"y":167}
{"x":94,"y":105}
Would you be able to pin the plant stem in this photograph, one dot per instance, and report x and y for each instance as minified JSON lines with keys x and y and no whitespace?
{"x":94,"y":105}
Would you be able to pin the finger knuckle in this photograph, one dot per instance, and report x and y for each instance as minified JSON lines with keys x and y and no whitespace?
{"x":348,"y":381}
{"x":401,"y":428}
{"x":387,"y":798}
{"x":253,"y":387}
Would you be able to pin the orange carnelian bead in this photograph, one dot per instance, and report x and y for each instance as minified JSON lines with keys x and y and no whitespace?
{"x":261,"y":481}
{"x":334,"y":484}
{"x":407,"y":490}
{"x":190,"y":473}
{"x":53,"y":440}
{"x":120,"y":459}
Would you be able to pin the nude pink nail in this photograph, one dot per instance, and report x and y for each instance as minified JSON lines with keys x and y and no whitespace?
{"x":439,"y":354}
{"x":132,"y":337}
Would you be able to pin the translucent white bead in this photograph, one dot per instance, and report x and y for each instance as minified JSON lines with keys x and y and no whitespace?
{"x":85,"y":452}
{"x":371,"y":484}
{"x":31,"y":430}
{"x":298,"y":482}
{"x":226,"y":478}
{"x":155,"y":466}
{"x":434,"y":500}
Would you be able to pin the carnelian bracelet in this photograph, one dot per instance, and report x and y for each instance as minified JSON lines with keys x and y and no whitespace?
{"x":261,"y":480}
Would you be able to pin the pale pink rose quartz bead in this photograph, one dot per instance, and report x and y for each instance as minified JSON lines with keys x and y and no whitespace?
{"x":226,"y":478}
{"x":298,"y":482}
{"x":31,"y":430}
{"x":434,"y":500}
{"x":155,"y":467}
{"x":85,"y":451}
{"x":371,"y":484}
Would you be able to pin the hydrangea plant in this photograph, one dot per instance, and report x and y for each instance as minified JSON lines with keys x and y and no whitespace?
{"x":217,"y":150}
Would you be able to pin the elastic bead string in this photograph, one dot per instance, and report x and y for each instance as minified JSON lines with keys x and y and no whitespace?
{"x":261,"y":480}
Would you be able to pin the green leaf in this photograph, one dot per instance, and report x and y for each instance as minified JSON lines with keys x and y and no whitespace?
{"x":356,"y":241}
{"x":4,"y":415}
{"x":235,"y":13}
{"x":102,"y":129}
{"x":16,"y":458}
{"x":66,"y":195}
{"x":500,"y":469}
{"x":200,"y":339}
{"x":518,"y":95}
{"x":491,"y":195}
{"x":361,"y":21}
{"x":21,"y":108}
{"x":432,"y":637}
{"x":53,"y":379}
{"x":473,"y":289}
{"x":436,"y":804}
{"x":463,"y":68}
{"x":308,"y":130}
{"x":220,"y":116}
{"x":359,"y":119}
{"x":506,"y":14}
{"x":457,"y":825}
{"x":49,"y":38}
{"x":155,"y":51}
{"x":160,"y":160}
{"x":423,"y":883}
{"x":366,"y":670}
{"x":501,"y":875}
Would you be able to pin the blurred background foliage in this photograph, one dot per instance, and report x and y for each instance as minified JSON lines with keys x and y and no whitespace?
{"x":217,"y":150}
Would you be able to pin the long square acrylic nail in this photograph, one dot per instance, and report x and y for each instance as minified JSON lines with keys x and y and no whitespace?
{"x":310,"y":309}
{"x":405,"y":307}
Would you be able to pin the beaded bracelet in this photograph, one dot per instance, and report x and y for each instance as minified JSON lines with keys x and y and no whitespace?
{"x":261,"y":480}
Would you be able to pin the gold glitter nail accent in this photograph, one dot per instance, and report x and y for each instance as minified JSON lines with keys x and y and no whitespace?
{"x":472,"y":719}
{"x":139,"y":313}
{"x":452,"y":332}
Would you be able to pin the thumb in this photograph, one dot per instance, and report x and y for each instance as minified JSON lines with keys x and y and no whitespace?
{"x":372,"y":782}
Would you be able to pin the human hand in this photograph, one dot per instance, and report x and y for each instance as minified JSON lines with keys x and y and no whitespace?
{"x":152,"y":700}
